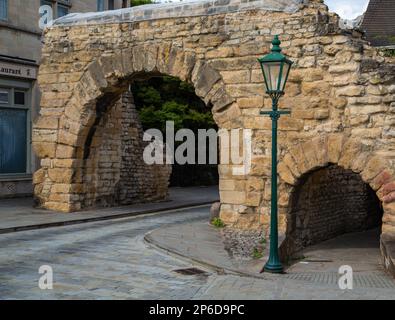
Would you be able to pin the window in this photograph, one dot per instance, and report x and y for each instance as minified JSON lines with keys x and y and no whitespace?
{"x":100,"y":5}
{"x":3,"y":9}
{"x":4,"y":96}
{"x":46,"y":3}
{"x":111,"y":5}
{"x":19,"y":98}
{"x":62,"y":10}
{"x":14,"y":128}
{"x":62,"y":6}
{"x":13,"y":140}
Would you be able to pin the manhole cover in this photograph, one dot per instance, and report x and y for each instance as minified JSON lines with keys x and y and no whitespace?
{"x":190,"y":271}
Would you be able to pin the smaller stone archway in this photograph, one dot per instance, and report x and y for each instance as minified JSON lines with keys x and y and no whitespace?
{"x":329,"y":202}
{"x":321,"y":164}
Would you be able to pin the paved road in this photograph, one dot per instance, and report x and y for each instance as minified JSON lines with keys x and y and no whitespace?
{"x":109,"y":260}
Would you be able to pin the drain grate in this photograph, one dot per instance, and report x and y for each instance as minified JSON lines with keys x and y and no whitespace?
{"x":359,"y":280}
{"x":190,"y":271}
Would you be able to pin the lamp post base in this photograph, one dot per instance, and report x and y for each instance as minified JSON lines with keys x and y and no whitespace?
{"x":273,"y":268}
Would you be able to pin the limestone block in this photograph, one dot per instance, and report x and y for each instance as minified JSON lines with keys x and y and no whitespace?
{"x":61,"y":175}
{"x":285,"y":173}
{"x":253,"y":199}
{"x":384,"y":177}
{"x":236,"y":76}
{"x":350,"y":148}
{"x":373,"y":167}
{"x":351,"y":91}
{"x":250,"y":102}
{"x":204,"y":77}
{"x":290,"y":163}
{"x":44,"y":149}
{"x":233,"y":197}
{"x":335,"y":145}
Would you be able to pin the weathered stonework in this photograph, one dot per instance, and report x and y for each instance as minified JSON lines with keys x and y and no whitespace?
{"x":341,"y":93}
{"x":113,"y":171}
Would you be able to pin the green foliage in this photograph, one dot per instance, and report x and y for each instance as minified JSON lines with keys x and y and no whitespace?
{"x":218,"y":223}
{"x":162,"y":99}
{"x":135,"y":3}
{"x":257,"y":253}
{"x":389,"y":52}
{"x":169,"y":99}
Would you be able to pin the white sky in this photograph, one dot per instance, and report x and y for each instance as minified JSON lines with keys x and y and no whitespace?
{"x":347,"y":9}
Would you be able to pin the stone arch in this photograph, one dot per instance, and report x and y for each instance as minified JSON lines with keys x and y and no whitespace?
{"x":348,"y":153}
{"x":105,"y":78}
{"x":99,"y":87}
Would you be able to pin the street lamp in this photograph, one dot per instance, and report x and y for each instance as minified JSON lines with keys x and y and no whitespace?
{"x":275,"y":68}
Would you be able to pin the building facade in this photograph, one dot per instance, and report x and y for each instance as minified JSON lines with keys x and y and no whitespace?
{"x":20,"y":52}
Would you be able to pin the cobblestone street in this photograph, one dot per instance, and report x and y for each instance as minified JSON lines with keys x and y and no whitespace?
{"x":110,"y":260}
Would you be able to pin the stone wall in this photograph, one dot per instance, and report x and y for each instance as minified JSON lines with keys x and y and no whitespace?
{"x":329,"y":202}
{"x":341,"y":93}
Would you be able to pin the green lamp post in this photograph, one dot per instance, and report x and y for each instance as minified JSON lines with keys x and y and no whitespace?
{"x":275,"y":68}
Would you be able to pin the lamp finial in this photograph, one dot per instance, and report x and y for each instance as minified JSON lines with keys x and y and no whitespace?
{"x":276,"y":44}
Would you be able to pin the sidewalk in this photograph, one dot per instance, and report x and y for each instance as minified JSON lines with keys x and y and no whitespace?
{"x":18,"y":214}
{"x":203,"y":244}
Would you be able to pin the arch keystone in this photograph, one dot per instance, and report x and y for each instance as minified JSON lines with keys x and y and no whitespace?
{"x":310,"y":155}
{"x":335,"y":144}
{"x":320,"y":145}
{"x":348,"y":153}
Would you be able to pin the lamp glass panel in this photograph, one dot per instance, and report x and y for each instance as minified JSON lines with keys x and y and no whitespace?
{"x":272,"y":72}
{"x":284,"y":75}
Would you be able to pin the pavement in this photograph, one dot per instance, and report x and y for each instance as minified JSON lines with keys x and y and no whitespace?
{"x":203,"y":244}
{"x":146,"y":251}
{"x":18,"y":214}
{"x":111,"y":260}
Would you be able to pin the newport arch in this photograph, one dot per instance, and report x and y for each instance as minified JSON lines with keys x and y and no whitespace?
{"x":341,"y":92}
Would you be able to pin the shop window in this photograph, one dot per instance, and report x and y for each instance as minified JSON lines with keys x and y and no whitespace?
{"x":14,"y":129}
{"x":111,"y":5}
{"x":13,"y":141}
{"x":3,"y":9}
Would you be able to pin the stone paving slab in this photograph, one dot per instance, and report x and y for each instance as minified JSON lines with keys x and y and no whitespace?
{"x":18,"y":214}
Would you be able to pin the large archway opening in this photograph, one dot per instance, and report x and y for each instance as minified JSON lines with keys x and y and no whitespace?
{"x":164,"y":99}
{"x":114,"y":169}
{"x":330,"y":202}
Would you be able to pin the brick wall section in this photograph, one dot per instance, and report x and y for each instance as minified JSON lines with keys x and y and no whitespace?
{"x":330,"y":202}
